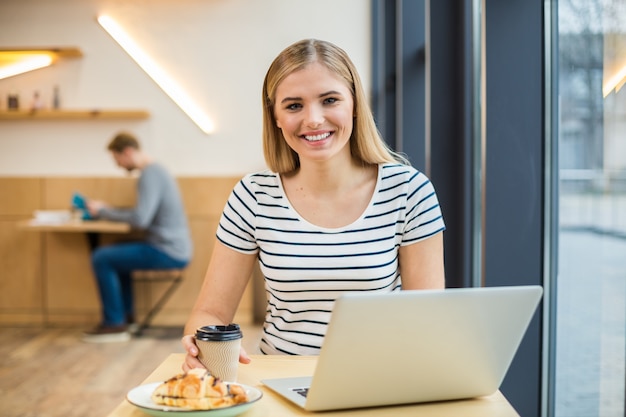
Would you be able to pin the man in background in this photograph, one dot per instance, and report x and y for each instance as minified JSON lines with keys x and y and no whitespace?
{"x":160,"y":214}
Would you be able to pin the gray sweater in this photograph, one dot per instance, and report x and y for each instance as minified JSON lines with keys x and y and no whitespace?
{"x":159,"y":212}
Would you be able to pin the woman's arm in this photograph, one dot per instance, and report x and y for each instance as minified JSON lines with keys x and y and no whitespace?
{"x":421,"y":264}
{"x":224,"y":284}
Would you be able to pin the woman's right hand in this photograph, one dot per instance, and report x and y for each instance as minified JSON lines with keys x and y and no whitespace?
{"x":191,"y":359}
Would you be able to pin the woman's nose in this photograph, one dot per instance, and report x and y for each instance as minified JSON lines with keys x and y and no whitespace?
{"x":314,"y":116}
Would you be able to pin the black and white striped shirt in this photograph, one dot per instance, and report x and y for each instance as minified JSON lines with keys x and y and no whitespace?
{"x":306,"y":267}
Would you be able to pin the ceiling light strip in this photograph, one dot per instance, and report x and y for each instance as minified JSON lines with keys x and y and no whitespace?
{"x":160,"y":77}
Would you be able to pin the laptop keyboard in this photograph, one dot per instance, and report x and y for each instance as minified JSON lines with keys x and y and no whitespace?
{"x":301,"y":391}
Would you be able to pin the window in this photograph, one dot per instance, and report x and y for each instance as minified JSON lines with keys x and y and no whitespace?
{"x":591,"y":279}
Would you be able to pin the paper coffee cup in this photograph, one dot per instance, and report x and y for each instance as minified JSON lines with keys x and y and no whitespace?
{"x":218,"y":350}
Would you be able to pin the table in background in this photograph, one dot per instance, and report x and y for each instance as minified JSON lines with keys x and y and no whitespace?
{"x":98,"y":226}
{"x":92,"y":228}
{"x":273,"y":405}
{"x":58,"y":306}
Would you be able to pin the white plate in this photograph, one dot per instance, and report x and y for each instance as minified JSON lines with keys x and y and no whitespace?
{"x":141,"y":397}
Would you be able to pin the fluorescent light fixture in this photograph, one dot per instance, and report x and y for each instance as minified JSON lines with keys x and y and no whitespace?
{"x":163,"y":80}
{"x":615,"y":82}
{"x":22,"y":63}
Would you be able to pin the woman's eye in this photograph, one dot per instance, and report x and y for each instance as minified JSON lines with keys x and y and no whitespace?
{"x":294,"y":106}
{"x":330,"y":100}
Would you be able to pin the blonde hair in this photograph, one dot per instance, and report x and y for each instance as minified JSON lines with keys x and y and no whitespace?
{"x":366,"y":143}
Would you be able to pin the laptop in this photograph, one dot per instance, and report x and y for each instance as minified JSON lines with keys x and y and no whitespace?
{"x":414,"y":346}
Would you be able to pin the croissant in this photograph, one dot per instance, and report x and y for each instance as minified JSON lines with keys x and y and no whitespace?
{"x":198,"y":390}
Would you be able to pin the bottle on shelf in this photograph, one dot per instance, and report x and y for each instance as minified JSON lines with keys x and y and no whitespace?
{"x":56,"y":99}
{"x":36,"y":104}
{"x":13,"y":101}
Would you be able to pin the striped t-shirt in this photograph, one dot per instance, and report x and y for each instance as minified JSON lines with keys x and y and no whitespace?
{"x":306,"y":267}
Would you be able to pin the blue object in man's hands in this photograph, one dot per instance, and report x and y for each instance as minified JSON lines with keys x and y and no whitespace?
{"x":79,"y":202}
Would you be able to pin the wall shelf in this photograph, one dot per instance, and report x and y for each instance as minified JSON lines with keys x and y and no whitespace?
{"x":15,"y":61}
{"x":67,"y":114}
{"x":12,"y":56}
{"x":61,"y":52}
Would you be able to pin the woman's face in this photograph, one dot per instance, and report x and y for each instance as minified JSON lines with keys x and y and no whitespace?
{"x":314,"y":109}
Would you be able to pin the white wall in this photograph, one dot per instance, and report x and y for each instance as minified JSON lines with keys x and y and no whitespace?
{"x":217,"y":50}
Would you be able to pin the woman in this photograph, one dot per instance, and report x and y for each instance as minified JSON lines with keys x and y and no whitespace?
{"x":337,"y":211}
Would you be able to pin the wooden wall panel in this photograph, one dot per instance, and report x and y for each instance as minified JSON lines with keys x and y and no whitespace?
{"x":204,"y":200}
{"x":20,"y":196}
{"x":203,"y":231}
{"x":116,"y":191}
{"x":21,"y":286}
{"x":206,"y":196}
{"x":70,"y":282}
{"x":177,"y":309}
{"x":21,"y":291}
{"x":47,"y":278}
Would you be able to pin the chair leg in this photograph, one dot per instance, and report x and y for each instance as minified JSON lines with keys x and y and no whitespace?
{"x":145,"y":323}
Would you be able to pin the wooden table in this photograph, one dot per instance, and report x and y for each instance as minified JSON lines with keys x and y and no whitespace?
{"x":91,"y":228}
{"x":79,"y":226}
{"x":273,"y":405}
{"x":57,"y":303}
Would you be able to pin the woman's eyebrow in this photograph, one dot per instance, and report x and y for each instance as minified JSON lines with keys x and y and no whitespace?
{"x":290,"y":99}
{"x":328,"y":93}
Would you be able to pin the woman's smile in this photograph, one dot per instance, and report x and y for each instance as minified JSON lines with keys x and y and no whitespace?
{"x":314,"y":110}
{"x":316,"y":137}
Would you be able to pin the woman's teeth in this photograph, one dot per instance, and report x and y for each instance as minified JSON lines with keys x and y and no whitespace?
{"x":317,"y":137}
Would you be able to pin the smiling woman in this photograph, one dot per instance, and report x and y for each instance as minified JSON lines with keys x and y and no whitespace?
{"x":336,"y":212}
{"x":368,"y":146}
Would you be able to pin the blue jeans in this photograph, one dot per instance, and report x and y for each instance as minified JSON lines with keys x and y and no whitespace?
{"x":112,"y":266}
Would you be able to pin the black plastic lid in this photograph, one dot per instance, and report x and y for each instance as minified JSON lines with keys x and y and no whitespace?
{"x":219,"y":333}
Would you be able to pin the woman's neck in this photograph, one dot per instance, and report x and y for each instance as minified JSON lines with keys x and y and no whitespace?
{"x":331,"y":176}
{"x":330,"y":195}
